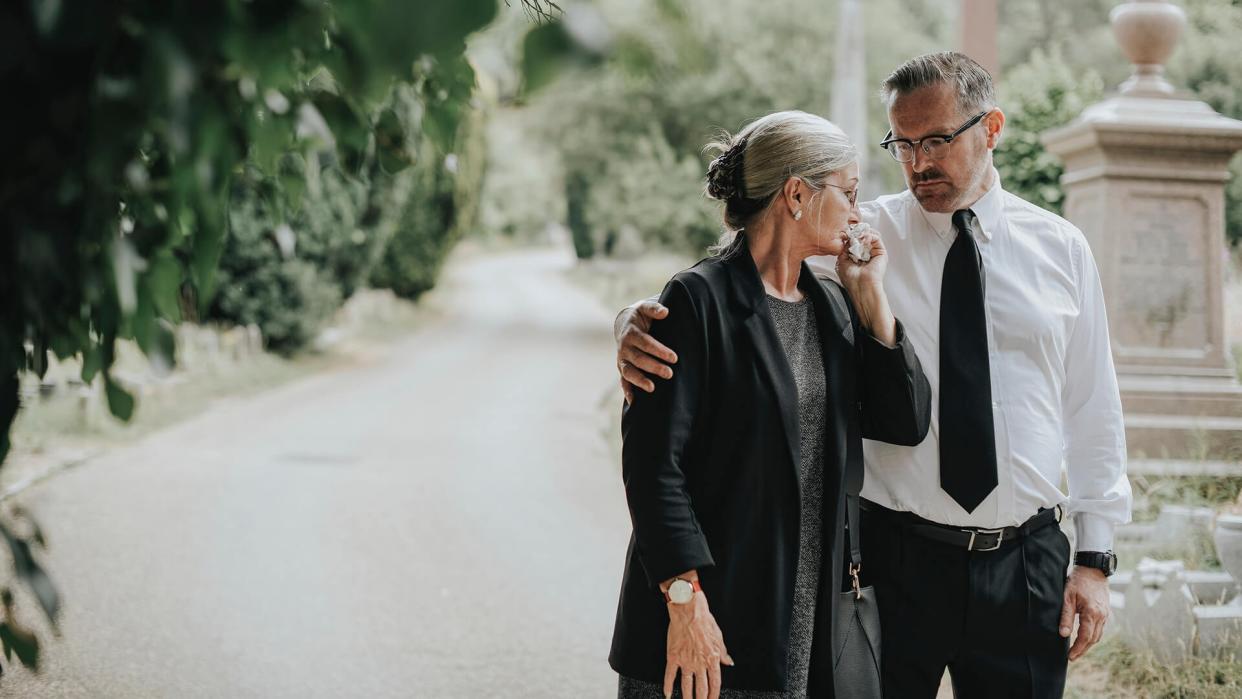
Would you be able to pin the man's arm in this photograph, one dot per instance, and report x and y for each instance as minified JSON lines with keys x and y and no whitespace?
{"x":639,"y":355}
{"x":1095,"y":455}
{"x":1094,"y":432}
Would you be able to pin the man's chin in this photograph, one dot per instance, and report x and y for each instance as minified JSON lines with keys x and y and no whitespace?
{"x":936,"y":202}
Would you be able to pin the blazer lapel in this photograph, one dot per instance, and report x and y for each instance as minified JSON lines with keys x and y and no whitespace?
{"x":831,"y":314}
{"x":836,"y":333}
{"x":750,"y":298}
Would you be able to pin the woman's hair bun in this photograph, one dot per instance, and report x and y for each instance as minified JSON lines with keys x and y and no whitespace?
{"x":724,"y":173}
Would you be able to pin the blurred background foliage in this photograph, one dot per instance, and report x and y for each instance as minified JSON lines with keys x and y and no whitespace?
{"x":311,"y":131}
{"x":232,"y":161}
{"x":643,"y":85}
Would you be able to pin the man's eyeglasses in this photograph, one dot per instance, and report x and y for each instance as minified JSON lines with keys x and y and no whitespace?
{"x":935,"y":146}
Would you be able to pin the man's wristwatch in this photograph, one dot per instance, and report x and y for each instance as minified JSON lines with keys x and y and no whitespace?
{"x":681,"y":591}
{"x":1105,"y":562}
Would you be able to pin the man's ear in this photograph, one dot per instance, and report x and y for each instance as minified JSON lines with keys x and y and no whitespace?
{"x":994,"y":123}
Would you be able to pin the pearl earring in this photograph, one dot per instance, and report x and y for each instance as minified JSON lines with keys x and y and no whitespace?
{"x":798,"y":215}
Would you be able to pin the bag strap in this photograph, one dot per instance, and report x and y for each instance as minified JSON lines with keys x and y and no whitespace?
{"x":851,"y":527}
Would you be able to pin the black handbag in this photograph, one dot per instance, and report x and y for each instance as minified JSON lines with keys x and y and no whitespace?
{"x":856,"y":626}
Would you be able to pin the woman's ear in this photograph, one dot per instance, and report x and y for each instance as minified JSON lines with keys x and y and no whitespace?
{"x":794,"y":194}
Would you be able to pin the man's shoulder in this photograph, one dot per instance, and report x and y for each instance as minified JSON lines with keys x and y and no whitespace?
{"x":1024,"y":213}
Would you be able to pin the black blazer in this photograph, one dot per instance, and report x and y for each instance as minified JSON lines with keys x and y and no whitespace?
{"x":710,"y":463}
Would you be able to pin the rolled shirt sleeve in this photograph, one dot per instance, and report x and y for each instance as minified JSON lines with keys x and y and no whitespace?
{"x":1094,"y":431}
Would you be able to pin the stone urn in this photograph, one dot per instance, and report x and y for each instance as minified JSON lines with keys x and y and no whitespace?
{"x":1147,"y":31}
{"x":1229,"y":547}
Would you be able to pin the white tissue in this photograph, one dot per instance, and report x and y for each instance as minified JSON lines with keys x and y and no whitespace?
{"x":859,"y":251}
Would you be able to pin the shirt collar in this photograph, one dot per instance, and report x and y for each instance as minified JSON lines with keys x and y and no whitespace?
{"x":987,"y":210}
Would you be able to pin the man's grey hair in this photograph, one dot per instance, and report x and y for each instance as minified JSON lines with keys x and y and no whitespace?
{"x":969,"y":80}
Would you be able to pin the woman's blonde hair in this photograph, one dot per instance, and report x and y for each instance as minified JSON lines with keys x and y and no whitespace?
{"x":753,"y":165}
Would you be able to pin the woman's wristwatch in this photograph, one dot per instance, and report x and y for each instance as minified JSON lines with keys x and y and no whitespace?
{"x":681,"y":591}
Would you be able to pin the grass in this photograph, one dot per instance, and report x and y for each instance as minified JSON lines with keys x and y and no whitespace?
{"x":1135,"y":675}
{"x":66,"y":426}
{"x":1151,"y":493}
{"x":50,"y":422}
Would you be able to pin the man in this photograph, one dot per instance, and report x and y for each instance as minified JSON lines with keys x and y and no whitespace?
{"x":1003,"y":305}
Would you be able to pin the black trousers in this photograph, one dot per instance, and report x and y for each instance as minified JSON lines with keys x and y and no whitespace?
{"x":990,"y":617}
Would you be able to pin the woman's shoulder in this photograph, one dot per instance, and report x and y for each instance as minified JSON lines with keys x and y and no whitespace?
{"x":704,"y":280}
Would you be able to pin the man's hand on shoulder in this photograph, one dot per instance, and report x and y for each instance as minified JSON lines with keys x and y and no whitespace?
{"x":639,"y":355}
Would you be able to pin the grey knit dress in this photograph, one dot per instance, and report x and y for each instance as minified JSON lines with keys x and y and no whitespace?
{"x":795,"y":324}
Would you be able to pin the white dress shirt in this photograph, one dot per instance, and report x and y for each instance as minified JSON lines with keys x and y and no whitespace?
{"x":1055,"y":403}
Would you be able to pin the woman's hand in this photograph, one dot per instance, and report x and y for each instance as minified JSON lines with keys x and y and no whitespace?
{"x":858,"y":275}
{"x":864,"y":282}
{"x":696,"y":648}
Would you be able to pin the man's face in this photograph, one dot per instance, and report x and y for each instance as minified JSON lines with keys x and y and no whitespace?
{"x":960,"y":178}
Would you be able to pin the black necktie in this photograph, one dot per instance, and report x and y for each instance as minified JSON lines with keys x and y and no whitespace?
{"x":967,"y":439}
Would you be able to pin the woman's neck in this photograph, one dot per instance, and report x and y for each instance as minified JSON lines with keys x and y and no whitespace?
{"x":778,"y":261}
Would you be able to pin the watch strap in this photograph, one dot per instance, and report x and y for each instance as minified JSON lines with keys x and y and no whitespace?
{"x":1103,"y":561}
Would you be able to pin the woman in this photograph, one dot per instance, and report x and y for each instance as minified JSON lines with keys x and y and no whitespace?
{"x":736,"y":468}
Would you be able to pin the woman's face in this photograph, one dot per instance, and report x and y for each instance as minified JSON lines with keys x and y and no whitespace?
{"x":833,"y":210}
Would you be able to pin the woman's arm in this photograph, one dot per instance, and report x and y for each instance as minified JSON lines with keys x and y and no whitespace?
{"x":893,"y":394}
{"x":893,"y":391}
{"x":656,"y":431}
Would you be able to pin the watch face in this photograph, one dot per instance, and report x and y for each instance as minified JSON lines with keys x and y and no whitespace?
{"x":680,"y":592}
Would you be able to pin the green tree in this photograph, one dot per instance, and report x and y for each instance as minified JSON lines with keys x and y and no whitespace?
{"x":1208,"y":63}
{"x":133,"y":122}
{"x":629,"y":120}
{"x":1044,"y":93}
{"x":438,"y":202}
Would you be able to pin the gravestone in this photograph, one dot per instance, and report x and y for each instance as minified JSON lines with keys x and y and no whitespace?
{"x":1145,"y":173}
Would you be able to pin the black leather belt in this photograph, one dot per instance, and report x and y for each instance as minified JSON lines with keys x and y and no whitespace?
{"x":969,"y":538}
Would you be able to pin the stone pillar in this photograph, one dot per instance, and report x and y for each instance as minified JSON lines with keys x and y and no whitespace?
{"x":1144,"y":179}
{"x":978,"y":34}
{"x":849,"y":87}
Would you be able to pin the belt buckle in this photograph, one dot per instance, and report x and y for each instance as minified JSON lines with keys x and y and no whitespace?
{"x":1000,"y":538}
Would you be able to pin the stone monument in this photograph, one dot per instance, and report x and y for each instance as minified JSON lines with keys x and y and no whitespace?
{"x":1144,"y":179}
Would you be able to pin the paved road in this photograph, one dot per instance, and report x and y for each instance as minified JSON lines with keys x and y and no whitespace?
{"x":445,"y":521}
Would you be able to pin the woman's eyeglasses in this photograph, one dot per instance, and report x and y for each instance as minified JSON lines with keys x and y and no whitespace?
{"x":851,"y":194}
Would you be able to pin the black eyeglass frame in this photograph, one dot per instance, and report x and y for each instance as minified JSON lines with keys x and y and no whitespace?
{"x":918,"y":143}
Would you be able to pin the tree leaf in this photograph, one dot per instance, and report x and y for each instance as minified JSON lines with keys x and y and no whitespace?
{"x":546,"y":50}
{"x":20,"y":642}
{"x":350,"y":130}
{"x":91,"y":362}
{"x":8,"y":407}
{"x":120,"y":402}
{"x":30,"y":572}
{"x":390,"y":142}
{"x":164,"y":284}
